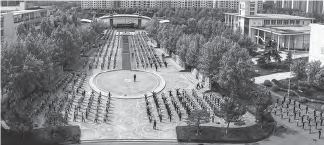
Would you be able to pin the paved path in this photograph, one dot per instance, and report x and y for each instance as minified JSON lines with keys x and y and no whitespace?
{"x":277,"y":76}
{"x":290,"y":134}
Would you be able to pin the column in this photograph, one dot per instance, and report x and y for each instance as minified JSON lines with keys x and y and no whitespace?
{"x":258,"y":36}
{"x":278,"y":43}
{"x":307,"y":5}
{"x":292,"y":4}
{"x":288,"y":42}
{"x":264,"y":37}
{"x":283,"y":4}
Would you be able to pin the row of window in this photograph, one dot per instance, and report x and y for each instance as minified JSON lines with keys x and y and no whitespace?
{"x":281,"y":22}
{"x":29,"y":16}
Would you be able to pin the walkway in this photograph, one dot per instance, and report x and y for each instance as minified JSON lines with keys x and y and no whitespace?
{"x":277,"y":76}
{"x":288,"y":133}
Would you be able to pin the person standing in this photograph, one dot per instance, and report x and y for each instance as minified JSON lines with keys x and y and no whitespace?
{"x":319,"y":134}
{"x":154,"y":124}
{"x":134,"y":77}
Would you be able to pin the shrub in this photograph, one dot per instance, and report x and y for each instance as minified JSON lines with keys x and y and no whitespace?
{"x":302,"y":99}
{"x":302,"y":83}
{"x":275,"y":88}
{"x":294,"y":86}
{"x":267,"y":83}
{"x":279,"y":70}
{"x":322,"y":108}
{"x":275,"y":81}
{"x":274,"y":70}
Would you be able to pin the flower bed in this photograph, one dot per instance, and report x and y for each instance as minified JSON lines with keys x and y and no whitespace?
{"x":210,"y":134}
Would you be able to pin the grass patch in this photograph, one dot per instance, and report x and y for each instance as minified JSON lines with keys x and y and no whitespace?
{"x":43,"y":136}
{"x":217,"y":135}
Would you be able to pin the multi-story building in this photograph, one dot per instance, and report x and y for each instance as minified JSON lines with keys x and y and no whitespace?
{"x":233,"y":4}
{"x":11,"y":20}
{"x":316,"y":51}
{"x":135,"y":3}
{"x":100,"y":4}
{"x":312,"y":6}
{"x":8,"y":6}
{"x":291,"y":32}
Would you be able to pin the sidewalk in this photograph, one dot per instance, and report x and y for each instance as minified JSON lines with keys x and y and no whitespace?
{"x":277,"y":76}
{"x":313,"y":137}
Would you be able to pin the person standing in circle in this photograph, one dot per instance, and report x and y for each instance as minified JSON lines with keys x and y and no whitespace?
{"x":134,"y":77}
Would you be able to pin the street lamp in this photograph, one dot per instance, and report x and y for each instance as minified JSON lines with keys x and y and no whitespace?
{"x":290,"y":73}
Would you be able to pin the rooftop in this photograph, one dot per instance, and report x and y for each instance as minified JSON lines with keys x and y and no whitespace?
{"x":25,"y":11}
{"x":285,"y":30}
{"x":270,"y":16}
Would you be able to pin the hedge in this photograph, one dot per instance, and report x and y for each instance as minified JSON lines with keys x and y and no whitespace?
{"x":211,"y":134}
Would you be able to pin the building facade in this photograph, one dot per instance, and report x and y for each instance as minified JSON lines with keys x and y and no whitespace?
{"x":11,"y":20}
{"x":290,"y":32}
{"x":316,"y":51}
{"x":234,"y":4}
{"x":312,"y":6}
{"x":99,"y":4}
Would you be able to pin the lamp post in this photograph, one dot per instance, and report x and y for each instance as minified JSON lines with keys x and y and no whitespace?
{"x":290,"y":73}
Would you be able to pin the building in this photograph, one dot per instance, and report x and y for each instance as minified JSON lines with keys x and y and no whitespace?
{"x":8,"y":6}
{"x":316,"y":51}
{"x":312,"y":6}
{"x":98,"y":4}
{"x":11,"y":20}
{"x":290,"y":32}
{"x":135,"y":3}
{"x":233,"y":4}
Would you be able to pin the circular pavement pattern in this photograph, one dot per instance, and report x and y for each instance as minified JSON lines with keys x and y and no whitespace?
{"x":120,"y":83}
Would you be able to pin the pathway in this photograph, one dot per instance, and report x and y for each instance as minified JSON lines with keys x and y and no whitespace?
{"x":277,"y":76}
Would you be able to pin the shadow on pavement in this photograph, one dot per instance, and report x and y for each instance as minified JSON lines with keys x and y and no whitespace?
{"x":281,"y":130}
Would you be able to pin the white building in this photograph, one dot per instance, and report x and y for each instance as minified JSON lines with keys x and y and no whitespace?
{"x":233,"y":4}
{"x":316,"y":51}
{"x":290,"y":32}
{"x":97,"y":4}
{"x":11,"y":20}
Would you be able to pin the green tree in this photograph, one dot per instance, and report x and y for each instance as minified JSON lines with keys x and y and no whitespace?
{"x":198,"y":117}
{"x":312,"y":68}
{"x":319,"y":78}
{"x":289,"y":57}
{"x":299,"y":68}
{"x":232,"y":110}
{"x":236,"y":71}
{"x":152,"y":28}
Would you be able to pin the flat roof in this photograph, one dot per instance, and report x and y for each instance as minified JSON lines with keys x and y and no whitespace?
{"x":26,"y":11}
{"x":124,"y":15}
{"x":285,"y":30}
{"x":270,"y":16}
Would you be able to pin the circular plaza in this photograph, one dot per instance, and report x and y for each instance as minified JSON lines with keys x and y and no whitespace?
{"x":121,"y":83}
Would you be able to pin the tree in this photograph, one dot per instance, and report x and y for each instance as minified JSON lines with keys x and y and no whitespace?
{"x":192,"y":55}
{"x":198,"y":117}
{"x":55,"y":119}
{"x":289,"y":58}
{"x":319,"y":78}
{"x":312,"y":68}
{"x":299,"y":68}
{"x":152,"y":28}
{"x":245,"y":42}
{"x":232,"y":110}
{"x":262,"y":100}
{"x":236,"y":71}
{"x":22,"y":30}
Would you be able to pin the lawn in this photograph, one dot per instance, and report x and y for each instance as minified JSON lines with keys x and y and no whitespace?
{"x":43,"y":136}
{"x":217,"y":135}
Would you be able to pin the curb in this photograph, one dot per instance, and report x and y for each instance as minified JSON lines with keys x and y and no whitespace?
{"x":130,"y":140}
{"x":157,"y":89}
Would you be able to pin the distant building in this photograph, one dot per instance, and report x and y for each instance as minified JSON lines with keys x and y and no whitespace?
{"x":233,"y":4}
{"x":8,"y":6}
{"x":316,"y":51}
{"x":11,"y":20}
{"x":98,"y":4}
{"x":290,"y":32}
{"x":312,"y":6}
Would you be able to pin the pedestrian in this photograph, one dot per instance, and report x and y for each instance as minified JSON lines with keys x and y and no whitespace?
{"x":306,"y":109}
{"x":154,"y":124}
{"x":314,"y":113}
{"x":321,"y":121}
{"x":303,"y":125}
{"x":156,"y":67}
{"x":316,"y":125}
{"x":319,"y":134}
{"x":297,"y":121}
{"x":134,"y":77}
{"x":310,"y":129}
{"x":83,"y":120}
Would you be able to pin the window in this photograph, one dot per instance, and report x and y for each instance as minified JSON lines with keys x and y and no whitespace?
{"x":251,"y":13}
{"x":266,"y":22}
{"x":240,"y":12}
{"x":286,"y":22}
{"x":292,"y":22}
{"x":297,"y":22}
{"x":279,"y":22}
{"x":273,"y":22}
